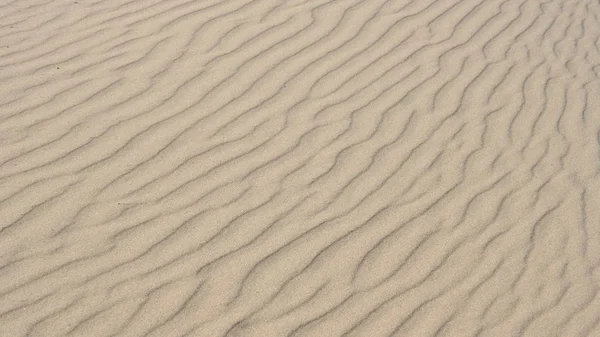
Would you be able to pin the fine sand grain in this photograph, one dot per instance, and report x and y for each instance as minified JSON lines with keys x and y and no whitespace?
{"x":324,"y":168}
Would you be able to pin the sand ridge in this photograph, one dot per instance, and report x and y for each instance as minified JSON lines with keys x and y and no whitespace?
{"x":299,"y":168}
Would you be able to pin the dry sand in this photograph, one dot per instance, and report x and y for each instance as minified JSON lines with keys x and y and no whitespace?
{"x":260,"y":168}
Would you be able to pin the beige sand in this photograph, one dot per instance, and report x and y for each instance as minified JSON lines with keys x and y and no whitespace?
{"x":260,"y":168}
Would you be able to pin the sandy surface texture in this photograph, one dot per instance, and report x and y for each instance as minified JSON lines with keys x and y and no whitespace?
{"x":274,"y":168}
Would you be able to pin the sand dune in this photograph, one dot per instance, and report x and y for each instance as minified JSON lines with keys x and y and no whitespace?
{"x":260,"y":168}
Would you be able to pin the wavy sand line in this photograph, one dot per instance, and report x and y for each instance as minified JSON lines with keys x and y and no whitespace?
{"x":299,"y":168}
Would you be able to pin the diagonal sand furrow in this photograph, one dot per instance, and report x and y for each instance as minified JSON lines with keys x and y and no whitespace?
{"x":247,"y":168}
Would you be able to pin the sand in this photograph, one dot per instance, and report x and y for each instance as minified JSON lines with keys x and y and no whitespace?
{"x":264,"y":168}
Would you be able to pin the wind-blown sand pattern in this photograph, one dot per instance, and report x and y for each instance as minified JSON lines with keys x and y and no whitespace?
{"x":299,"y":168}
